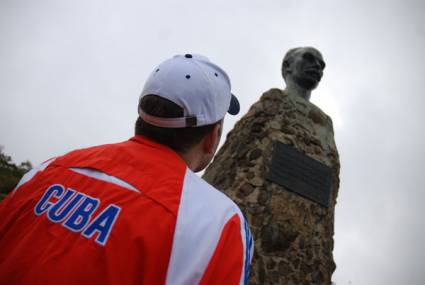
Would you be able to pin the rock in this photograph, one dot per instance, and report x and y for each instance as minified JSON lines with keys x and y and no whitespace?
{"x":245,"y":190}
{"x":256,"y":153}
{"x":293,"y":235}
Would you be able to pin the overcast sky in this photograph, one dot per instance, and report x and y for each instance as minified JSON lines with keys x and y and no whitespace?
{"x":71,"y":73}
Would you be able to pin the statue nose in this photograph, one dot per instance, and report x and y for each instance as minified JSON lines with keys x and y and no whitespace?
{"x":316,"y":63}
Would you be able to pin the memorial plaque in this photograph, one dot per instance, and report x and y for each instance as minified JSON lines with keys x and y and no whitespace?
{"x":300,"y":174}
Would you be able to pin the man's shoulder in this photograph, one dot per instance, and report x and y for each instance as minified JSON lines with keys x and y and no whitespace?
{"x":119,"y":153}
{"x":198,"y":191}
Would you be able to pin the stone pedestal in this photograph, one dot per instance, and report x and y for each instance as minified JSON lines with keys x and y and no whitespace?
{"x":293,"y":235}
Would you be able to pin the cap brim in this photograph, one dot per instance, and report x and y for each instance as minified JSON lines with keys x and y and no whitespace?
{"x":234,"y":107}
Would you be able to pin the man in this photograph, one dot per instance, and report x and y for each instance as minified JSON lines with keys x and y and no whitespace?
{"x":134,"y":212}
{"x":302,"y":70}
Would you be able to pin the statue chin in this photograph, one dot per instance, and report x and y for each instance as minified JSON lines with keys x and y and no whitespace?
{"x":307,"y":83}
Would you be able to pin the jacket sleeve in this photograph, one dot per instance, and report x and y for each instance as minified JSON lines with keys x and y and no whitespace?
{"x":8,"y":204}
{"x":232,"y":256}
{"x":211,"y":243}
{"x":30,"y":174}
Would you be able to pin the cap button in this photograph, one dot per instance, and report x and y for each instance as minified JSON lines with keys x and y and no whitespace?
{"x":188,"y":55}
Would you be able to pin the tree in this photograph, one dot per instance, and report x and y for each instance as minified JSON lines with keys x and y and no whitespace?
{"x":10,"y":173}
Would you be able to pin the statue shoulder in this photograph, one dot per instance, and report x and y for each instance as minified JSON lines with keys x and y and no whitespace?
{"x":268,"y":101}
{"x":273,"y":94}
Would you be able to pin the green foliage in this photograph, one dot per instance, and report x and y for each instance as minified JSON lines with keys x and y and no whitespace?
{"x":10,"y":173}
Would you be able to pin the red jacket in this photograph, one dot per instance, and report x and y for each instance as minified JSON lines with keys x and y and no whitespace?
{"x":126,"y":213}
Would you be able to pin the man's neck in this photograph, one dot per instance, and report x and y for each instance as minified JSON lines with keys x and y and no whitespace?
{"x":193,"y":158}
{"x":293,"y":89}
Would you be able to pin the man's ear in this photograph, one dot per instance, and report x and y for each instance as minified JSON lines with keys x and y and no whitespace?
{"x":286,"y":69}
{"x":212,"y":139}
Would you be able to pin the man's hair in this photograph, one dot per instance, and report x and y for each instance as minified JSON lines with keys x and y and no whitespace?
{"x":178,"y":139}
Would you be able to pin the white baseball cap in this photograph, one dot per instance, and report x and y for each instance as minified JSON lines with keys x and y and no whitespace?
{"x":194,"y":83}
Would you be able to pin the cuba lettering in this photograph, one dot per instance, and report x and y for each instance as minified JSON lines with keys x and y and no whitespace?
{"x":74,"y":210}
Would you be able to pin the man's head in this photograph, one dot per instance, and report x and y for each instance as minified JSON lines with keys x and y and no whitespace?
{"x":303,"y":67}
{"x":182,"y":106}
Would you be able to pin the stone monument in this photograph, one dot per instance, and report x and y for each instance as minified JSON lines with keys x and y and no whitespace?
{"x":281,"y":166}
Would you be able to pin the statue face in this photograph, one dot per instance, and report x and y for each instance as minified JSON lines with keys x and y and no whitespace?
{"x":305,"y":67}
